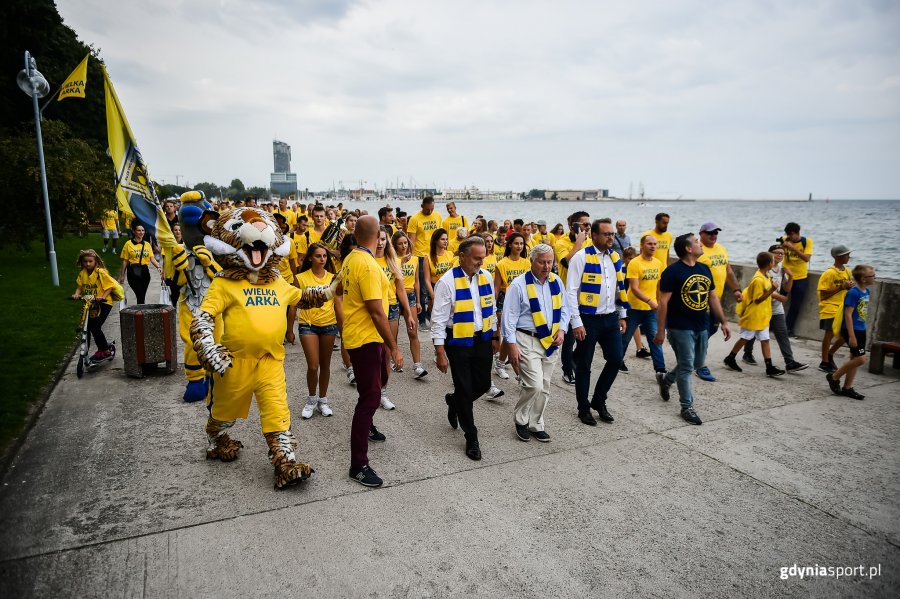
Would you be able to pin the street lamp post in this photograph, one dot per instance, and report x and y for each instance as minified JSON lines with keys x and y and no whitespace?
{"x":35,"y":85}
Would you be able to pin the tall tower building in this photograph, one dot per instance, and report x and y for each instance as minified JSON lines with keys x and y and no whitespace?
{"x":282,"y":180}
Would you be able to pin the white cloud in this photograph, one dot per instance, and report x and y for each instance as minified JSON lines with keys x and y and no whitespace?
{"x":705,"y":99}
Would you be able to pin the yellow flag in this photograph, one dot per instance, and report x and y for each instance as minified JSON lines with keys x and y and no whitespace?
{"x":73,"y":86}
{"x":135,"y":191}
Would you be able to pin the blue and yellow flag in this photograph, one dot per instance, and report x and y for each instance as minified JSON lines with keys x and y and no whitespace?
{"x":75,"y":83}
{"x":135,"y":191}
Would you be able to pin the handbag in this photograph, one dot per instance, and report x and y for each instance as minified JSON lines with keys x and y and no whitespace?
{"x":164,"y":297}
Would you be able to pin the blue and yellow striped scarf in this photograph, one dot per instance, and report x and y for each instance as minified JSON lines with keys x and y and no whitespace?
{"x":545,"y":334}
{"x":592,"y":281}
{"x":463,"y":331}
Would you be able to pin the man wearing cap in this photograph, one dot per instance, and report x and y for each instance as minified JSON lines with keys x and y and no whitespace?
{"x":797,"y":254}
{"x":621,"y":240}
{"x":715,"y":256}
{"x":541,"y":235}
{"x":833,"y":286}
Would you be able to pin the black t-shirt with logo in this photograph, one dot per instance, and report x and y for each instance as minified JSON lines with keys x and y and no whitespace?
{"x":690,"y":287}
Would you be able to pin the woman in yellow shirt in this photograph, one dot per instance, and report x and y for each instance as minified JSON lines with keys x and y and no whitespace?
{"x":387,"y":260}
{"x":490,"y":259}
{"x":511,"y":266}
{"x":169,"y":274}
{"x":439,"y":259}
{"x":409,"y":268}
{"x":318,"y":328}
{"x":95,"y":280}
{"x":136,"y":255}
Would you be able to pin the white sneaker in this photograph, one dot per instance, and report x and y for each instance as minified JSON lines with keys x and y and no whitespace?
{"x":324,"y":408}
{"x":419,"y":371}
{"x":500,"y":369}
{"x":311,"y":402}
{"x":351,"y":378}
{"x":385,"y":402}
{"x":494,"y":392}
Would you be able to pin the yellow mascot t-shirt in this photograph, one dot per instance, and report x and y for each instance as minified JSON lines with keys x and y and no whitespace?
{"x":647,"y":272}
{"x":324,"y":315}
{"x":253,"y":315}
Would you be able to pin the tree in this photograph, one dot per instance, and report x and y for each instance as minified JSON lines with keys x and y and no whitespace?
{"x":536,"y":193}
{"x":237,"y":185}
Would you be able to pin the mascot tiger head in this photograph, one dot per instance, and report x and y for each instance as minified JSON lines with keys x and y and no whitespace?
{"x":247,"y":243}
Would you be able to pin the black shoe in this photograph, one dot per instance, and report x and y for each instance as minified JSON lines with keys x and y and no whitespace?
{"x":732,"y":363}
{"x":605,"y":416}
{"x":774,"y":371}
{"x":663,"y":385}
{"x":642,"y":353}
{"x":795,"y":366}
{"x":749,"y":359}
{"x":366,"y":477}
{"x":375,"y":435}
{"x":622,"y":368}
{"x":827,"y":367}
{"x":568,"y":379}
{"x":835,"y":385}
{"x":541,"y":436}
{"x":473,"y":450}
{"x":691,"y":416}
{"x":587,"y":419}
{"x":451,"y":412}
{"x":522,"y":432}
{"x":851,"y":393}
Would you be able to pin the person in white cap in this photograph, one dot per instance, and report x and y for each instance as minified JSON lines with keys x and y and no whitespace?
{"x":833,"y":286}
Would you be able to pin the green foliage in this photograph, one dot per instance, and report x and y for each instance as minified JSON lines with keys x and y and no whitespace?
{"x":79,"y":180}
{"x":536,"y":193}
{"x":237,"y":185}
{"x":38,"y":327}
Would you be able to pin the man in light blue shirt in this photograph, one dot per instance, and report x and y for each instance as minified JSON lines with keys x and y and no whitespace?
{"x":535,"y":318}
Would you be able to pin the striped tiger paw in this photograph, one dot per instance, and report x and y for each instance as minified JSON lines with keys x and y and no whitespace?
{"x":288,"y":470}
{"x":224,"y":448}
{"x":290,"y":473}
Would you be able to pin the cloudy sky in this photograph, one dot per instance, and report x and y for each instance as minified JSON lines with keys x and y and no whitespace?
{"x":725,"y":99}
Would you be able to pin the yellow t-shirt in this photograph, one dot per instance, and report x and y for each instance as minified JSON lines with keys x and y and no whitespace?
{"x":109,"y":220}
{"x":168,"y":262}
{"x":284,"y":266}
{"x":289,"y":215}
{"x":663,"y":243}
{"x":539,"y":237}
{"x":136,"y":254}
{"x":489,"y":264}
{"x":392,"y":280}
{"x":423,"y":227}
{"x":509,"y":269}
{"x":756,"y":316}
{"x":799,"y":267}
{"x":363,"y":280}
{"x":453,"y":245}
{"x":498,"y":251}
{"x":409,"y":269}
{"x":96,"y":283}
{"x":301,"y":242}
{"x":443,"y":264}
{"x":253,"y":315}
{"x":562,"y":248}
{"x":831,"y":279}
{"x":452,"y":223}
{"x":716,"y":258}
{"x":647,"y":272}
{"x":323,"y":315}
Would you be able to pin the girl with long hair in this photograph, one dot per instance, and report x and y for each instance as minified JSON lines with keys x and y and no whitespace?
{"x":387,"y":260}
{"x":439,"y":259}
{"x":136,"y":254}
{"x":409,"y":267}
{"x":511,"y":266}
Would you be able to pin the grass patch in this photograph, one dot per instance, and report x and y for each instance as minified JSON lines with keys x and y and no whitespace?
{"x":38,"y":326}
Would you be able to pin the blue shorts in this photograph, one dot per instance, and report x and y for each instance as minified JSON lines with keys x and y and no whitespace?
{"x":411,"y":298}
{"x":394,"y":312}
{"x":311,"y":329}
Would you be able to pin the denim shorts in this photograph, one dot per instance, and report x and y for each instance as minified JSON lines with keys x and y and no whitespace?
{"x":411,"y":298}
{"x":311,"y":329}
{"x":394,"y":312}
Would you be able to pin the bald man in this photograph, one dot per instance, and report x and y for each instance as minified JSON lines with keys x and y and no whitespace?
{"x":368,"y":339}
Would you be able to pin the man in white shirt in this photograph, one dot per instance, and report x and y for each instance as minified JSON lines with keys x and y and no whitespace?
{"x":463,"y":322}
{"x":598,"y":316}
{"x":533,"y":338}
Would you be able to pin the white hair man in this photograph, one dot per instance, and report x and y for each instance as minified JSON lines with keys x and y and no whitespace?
{"x":535,"y":318}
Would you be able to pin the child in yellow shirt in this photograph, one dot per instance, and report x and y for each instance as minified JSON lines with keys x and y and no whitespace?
{"x":755,"y":311}
{"x":95,"y":281}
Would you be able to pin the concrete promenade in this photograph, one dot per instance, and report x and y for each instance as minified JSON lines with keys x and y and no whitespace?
{"x":110,"y":494}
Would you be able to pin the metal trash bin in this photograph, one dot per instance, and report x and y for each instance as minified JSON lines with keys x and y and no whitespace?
{"x":149,"y":337}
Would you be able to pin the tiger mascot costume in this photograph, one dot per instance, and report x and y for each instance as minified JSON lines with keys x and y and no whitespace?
{"x":251,"y":298}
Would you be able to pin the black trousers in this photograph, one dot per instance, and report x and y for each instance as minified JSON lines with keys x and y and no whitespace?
{"x":95,"y":325}
{"x":471,"y":371}
{"x":174,"y":292}
{"x":139,"y":280}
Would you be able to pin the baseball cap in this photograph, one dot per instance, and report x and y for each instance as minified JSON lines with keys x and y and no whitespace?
{"x":709,"y":227}
{"x":839,"y":250}
{"x":542,"y":222}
